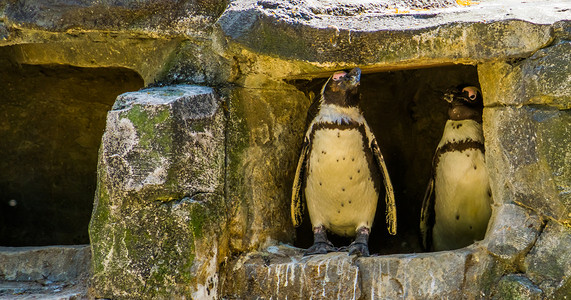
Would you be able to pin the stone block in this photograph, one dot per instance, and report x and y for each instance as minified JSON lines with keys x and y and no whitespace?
{"x":159,"y":219}
{"x":45,"y":264}
{"x":280,"y":271}
{"x":192,"y":17}
{"x":528,"y":151}
{"x":516,"y":287}
{"x":332,"y":36}
{"x":547,"y":264}
{"x":265,"y":132}
{"x":413,"y":276}
{"x":482,"y":272}
{"x":165,"y":141}
{"x":511,"y":232}
{"x":541,"y":79}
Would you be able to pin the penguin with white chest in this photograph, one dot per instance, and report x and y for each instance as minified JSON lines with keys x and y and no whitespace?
{"x":457,"y":203}
{"x":339,"y":170}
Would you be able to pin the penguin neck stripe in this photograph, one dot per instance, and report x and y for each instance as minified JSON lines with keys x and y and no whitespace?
{"x":350,"y":125}
{"x":343,"y":125}
{"x":458,"y":146}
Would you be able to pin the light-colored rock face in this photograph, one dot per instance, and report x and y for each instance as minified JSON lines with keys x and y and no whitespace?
{"x":279,"y":271}
{"x":159,"y":220}
{"x":187,"y":182}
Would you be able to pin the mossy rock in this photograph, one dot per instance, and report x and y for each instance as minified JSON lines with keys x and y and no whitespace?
{"x":159,"y":196}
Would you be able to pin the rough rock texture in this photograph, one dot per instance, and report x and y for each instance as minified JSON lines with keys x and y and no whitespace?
{"x":541,"y":79}
{"x":263,"y":148}
{"x":54,"y":263}
{"x":528,"y":151}
{"x":282,"y":270}
{"x":178,"y":195}
{"x":511,"y":233}
{"x":55,"y":272}
{"x":547,"y":264}
{"x":279,"y":271}
{"x":314,"y":39}
{"x":516,"y":287}
{"x":159,"y":220}
{"x":164,"y":17}
{"x":139,"y":35}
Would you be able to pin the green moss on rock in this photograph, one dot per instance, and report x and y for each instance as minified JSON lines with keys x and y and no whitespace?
{"x":148,"y":238}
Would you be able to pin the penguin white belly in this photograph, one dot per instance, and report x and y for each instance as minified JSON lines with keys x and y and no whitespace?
{"x":340,"y":192}
{"x":462,"y":203}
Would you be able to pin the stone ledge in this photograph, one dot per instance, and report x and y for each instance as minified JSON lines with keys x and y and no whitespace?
{"x":165,"y":17}
{"x":381,"y":40}
{"x":282,"y":270}
{"x":54,"y":272}
{"x":53,"y":263}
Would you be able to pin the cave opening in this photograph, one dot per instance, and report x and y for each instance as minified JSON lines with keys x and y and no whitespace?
{"x":52,"y":118}
{"x":407,"y":114}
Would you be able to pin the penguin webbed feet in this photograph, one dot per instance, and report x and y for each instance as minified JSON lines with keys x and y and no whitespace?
{"x":321,"y":245}
{"x":360,"y":249}
{"x":360,"y":246}
{"x":320,"y":248}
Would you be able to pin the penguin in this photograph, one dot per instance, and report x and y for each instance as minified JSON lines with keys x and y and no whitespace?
{"x":457,"y":202}
{"x":339,"y":170}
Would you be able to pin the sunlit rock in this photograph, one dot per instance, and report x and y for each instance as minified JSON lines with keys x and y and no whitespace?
{"x":158,"y":225}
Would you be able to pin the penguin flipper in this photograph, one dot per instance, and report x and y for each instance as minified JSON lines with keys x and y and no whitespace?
{"x":389,"y":195}
{"x":427,"y":216}
{"x":296,"y":192}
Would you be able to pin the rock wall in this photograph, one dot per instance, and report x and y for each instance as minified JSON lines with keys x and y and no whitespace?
{"x":194,"y":182}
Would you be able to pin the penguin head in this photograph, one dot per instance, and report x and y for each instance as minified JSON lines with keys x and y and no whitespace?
{"x":342,"y":88}
{"x":465,"y":102}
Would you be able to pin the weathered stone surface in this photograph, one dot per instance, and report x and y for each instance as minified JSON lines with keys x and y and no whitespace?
{"x":540,"y":79}
{"x":547,"y":264}
{"x":54,"y":263}
{"x":516,"y":287}
{"x":162,"y":210}
{"x":191,"y":17}
{"x":413,"y":276}
{"x":511,"y":233}
{"x":54,"y":272}
{"x":377,"y":38}
{"x":145,"y":55}
{"x":528,"y":152}
{"x":281,"y":271}
{"x":265,"y":132}
{"x":165,"y":141}
{"x":196,"y":62}
{"x":158,"y":225}
{"x":482,"y":272}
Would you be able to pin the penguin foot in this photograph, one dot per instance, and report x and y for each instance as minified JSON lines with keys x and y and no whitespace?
{"x":361,"y":244}
{"x":321,"y":245}
{"x":360,"y":249}
{"x":320,"y":248}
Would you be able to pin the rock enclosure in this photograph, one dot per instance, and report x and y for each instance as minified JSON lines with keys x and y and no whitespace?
{"x":194,"y":171}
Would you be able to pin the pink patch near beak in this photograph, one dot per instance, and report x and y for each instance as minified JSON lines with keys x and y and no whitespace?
{"x":472,"y":92}
{"x":338,"y":75}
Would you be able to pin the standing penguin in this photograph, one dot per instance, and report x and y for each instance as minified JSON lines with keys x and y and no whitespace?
{"x":339,"y":170}
{"x":457,"y":202}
